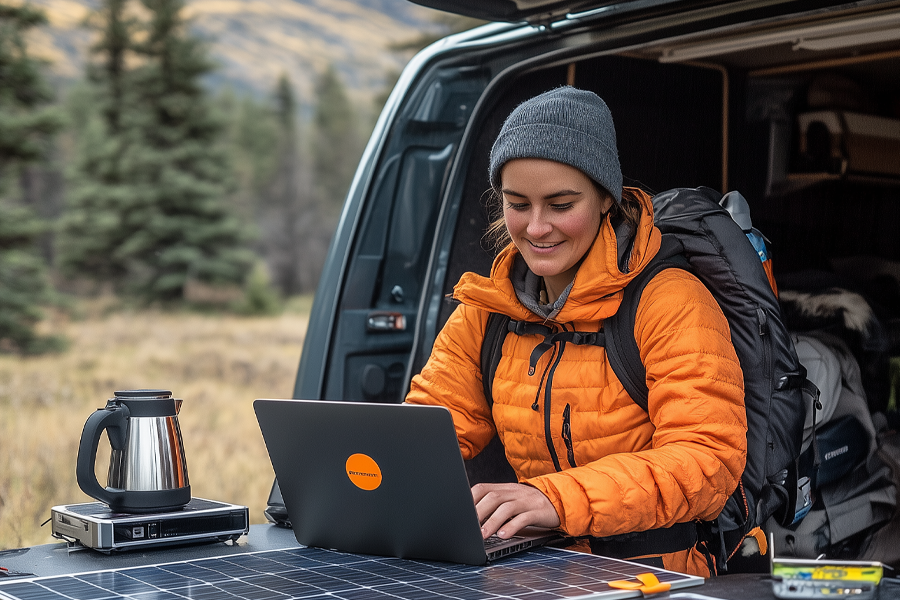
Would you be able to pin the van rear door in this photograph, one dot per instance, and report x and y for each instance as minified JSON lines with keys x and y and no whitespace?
{"x":365,"y":313}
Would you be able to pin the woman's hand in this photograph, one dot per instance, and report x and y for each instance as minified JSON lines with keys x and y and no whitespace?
{"x":505,"y":508}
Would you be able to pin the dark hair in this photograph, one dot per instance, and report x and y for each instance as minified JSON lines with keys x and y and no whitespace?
{"x":497,"y":235}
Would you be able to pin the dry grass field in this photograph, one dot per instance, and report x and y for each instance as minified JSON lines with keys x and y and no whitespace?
{"x":217,"y":363}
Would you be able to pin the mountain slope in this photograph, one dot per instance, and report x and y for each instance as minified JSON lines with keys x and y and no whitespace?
{"x":254,"y":41}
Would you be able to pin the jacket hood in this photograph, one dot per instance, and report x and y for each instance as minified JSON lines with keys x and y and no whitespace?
{"x":597,"y":290}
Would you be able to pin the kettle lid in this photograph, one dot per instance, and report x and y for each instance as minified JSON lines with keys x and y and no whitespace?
{"x":143,"y":394}
{"x":147,"y":402}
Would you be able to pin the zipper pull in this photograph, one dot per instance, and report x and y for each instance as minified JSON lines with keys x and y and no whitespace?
{"x":567,"y":434}
{"x":763,"y":320}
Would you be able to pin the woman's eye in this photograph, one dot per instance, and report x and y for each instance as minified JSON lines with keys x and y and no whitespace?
{"x":516,"y":205}
{"x":562,"y":206}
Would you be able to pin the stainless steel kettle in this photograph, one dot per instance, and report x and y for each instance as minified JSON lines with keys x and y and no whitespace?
{"x":147,"y":467}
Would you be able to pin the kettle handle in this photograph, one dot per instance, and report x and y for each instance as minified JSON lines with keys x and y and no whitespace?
{"x":113,"y":418}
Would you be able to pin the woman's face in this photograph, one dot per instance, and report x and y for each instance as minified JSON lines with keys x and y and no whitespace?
{"x":553,"y":213}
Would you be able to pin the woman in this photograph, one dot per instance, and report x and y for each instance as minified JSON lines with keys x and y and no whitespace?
{"x":589,"y":461}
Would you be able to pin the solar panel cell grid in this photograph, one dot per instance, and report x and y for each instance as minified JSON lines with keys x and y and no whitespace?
{"x":310,"y":573}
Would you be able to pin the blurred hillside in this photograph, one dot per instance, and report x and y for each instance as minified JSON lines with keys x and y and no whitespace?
{"x":254,"y":41}
{"x":185,"y":152}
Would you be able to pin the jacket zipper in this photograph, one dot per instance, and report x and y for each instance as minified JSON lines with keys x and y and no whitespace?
{"x":547,"y":432}
{"x":567,"y":434}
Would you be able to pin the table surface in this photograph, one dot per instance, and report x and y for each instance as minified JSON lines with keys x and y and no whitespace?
{"x":58,"y":559}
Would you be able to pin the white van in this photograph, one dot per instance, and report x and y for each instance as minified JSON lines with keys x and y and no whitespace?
{"x":794,"y":103}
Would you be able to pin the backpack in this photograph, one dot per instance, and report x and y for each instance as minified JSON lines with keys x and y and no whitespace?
{"x":850,"y":495}
{"x":701,"y":236}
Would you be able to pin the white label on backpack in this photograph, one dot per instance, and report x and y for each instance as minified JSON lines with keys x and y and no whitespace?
{"x":837,"y":452}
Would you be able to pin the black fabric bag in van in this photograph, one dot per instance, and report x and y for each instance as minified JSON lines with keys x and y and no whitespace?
{"x":701,"y":236}
{"x":851,"y":491}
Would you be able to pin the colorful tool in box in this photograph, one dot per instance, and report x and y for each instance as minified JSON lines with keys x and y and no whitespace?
{"x":808,"y":579}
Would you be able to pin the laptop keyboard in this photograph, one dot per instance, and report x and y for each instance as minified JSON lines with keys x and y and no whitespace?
{"x":494,"y":541}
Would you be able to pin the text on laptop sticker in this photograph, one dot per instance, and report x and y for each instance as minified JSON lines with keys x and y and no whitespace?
{"x":363,"y":472}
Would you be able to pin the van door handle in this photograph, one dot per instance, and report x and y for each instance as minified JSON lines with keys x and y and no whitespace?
{"x":385,"y":321}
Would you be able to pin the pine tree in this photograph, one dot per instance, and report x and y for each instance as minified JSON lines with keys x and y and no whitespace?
{"x":26,"y":126}
{"x":24,"y":122}
{"x":288,"y":211}
{"x":253,"y":135}
{"x":152,"y":208}
{"x":92,"y":226}
{"x":336,"y":141}
{"x":115,"y":45}
{"x":24,"y":285}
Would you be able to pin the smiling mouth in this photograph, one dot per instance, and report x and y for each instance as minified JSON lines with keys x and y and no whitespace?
{"x":544,"y":246}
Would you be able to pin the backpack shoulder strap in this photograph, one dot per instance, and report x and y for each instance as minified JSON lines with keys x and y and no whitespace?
{"x":492,"y":351}
{"x":621,"y":347}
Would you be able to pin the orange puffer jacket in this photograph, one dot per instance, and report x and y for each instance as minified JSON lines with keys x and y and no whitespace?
{"x":622,"y":469}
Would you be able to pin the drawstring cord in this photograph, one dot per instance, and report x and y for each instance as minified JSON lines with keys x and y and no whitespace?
{"x":550,"y":339}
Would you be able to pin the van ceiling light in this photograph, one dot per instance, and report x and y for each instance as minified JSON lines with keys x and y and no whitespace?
{"x":828,"y":36}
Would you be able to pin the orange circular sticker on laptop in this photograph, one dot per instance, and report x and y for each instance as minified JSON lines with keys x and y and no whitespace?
{"x":363,"y":471}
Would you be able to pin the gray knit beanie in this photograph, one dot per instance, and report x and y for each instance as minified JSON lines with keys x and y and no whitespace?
{"x":570,"y":126}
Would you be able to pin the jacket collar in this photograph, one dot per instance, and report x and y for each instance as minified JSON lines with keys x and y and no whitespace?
{"x":596,"y":291}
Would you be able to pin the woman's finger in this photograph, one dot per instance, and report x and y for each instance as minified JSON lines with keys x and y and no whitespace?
{"x":507,"y":508}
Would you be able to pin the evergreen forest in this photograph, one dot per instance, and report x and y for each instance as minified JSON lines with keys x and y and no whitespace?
{"x":140,"y":182}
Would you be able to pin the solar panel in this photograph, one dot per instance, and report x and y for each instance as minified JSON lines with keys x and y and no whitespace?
{"x":313,"y":573}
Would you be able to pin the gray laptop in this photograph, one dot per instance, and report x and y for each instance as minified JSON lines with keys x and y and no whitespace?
{"x":383,"y":479}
